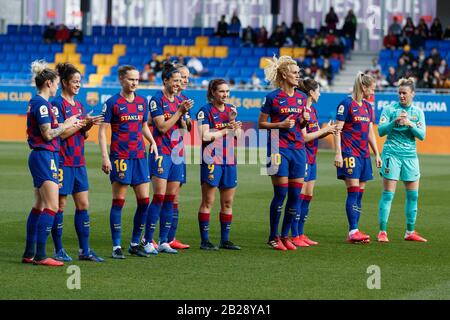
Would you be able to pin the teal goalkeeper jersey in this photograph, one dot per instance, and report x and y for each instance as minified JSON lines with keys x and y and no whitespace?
{"x":401,"y":140}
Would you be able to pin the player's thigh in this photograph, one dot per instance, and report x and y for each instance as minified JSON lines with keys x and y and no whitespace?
{"x":412,"y":185}
{"x":50,"y":195}
{"x":81,"y":200}
{"x":38,"y":201}
{"x":410,"y":170}
{"x":391,"y":167}
{"x":226,"y":199}
{"x":208,"y":194}
{"x":172,"y":187}
{"x":389,"y":185}
{"x":308,"y":187}
{"x":159,"y":185}
{"x":141,"y":190}
{"x":119,"y":190}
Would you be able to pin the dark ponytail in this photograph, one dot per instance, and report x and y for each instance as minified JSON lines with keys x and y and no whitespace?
{"x":168,"y":70}
{"x":306,"y":85}
{"x":66,"y":72}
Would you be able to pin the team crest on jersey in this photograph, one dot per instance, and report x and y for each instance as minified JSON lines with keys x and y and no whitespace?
{"x":55,"y":111}
{"x":160,"y":170}
{"x":414,"y":118}
{"x":140,"y":107}
{"x":211,"y":177}
{"x":299,"y":101}
{"x":55,"y":175}
{"x":153,"y":105}
{"x":121,"y":175}
{"x":350,"y":171}
{"x":383,"y":119}
{"x":43,"y":110}
{"x":201,"y":115}
{"x":386,"y":171}
{"x":419,"y":124}
{"x":341,"y":109}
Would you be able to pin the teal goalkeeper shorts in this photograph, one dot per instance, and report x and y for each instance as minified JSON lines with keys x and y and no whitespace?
{"x":395,"y":168}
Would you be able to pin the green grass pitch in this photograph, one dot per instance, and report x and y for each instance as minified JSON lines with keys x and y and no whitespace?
{"x":332,"y":270}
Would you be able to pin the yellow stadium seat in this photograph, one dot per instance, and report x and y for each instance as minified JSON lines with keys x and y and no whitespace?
{"x":119,"y":49}
{"x":299,"y":52}
{"x":201,"y":41}
{"x":51,"y":65}
{"x":221,"y":51}
{"x":169,"y":50}
{"x":182,"y":51}
{"x":111,"y":60}
{"x":286,"y":52}
{"x":207,"y":52}
{"x":60,"y":57}
{"x":103,"y":69}
{"x":194,"y":51}
{"x":98,"y":59}
{"x":81,"y":67}
{"x":263,"y":62}
{"x":70,"y":48}
{"x":73,"y":58}
{"x":95,"y":79}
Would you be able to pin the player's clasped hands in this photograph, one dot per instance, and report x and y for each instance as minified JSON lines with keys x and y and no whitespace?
{"x":403,"y":119}
{"x":233,"y":114}
{"x":288,"y":123}
{"x":73,"y":121}
{"x":185,"y":106}
{"x":332,"y":128}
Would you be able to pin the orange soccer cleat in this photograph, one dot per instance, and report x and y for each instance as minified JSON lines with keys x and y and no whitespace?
{"x":27,"y":260}
{"x":382,"y":236}
{"x":358,"y":237}
{"x":414,"y":236}
{"x":298,"y":241}
{"x":288,"y":244}
{"x":175,"y":244}
{"x":49,"y":262}
{"x":277,"y":244}
{"x":305,"y":238}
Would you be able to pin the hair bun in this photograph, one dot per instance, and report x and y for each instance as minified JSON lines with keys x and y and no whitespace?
{"x":38,"y":66}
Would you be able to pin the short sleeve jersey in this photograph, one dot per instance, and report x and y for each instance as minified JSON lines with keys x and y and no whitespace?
{"x":72,"y":148}
{"x":126,"y":119}
{"x":160,"y":105}
{"x":40,"y":112}
{"x":312,"y":126}
{"x":217,"y":120}
{"x":355,"y":133}
{"x":279,"y":106}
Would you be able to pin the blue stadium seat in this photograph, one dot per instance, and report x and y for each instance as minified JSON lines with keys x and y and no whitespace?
{"x":126,"y":40}
{"x":24,"y":29}
{"x":143,"y":51}
{"x":233,"y":73}
{"x":10,"y":57}
{"x":134,"y":31}
{"x":7,"y":47}
{"x":246,"y":52}
{"x":184,"y":32}
{"x":150,"y":42}
{"x":15,"y":39}
{"x":97,"y":31}
{"x":90,"y":69}
{"x":270,"y":51}
{"x":4,"y":67}
{"x":88,"y":40}
{"x":19,"y":48}
{"x":214,"y":62}
{"x":110,"y":31}
{"x":233,"y":52}
{"x":12,"y":29}
{"x":37,"y":39}
{"x":86,"y":58}
{"x":175,"y":41}
{"x":385,"y":54}
{"x":196,"y":31}
{"x":141,"y":42}
{"x":208,"y":31}
{"x":227,"y":63}
{"x":158,"y":32}
{"x":227,"y":41}
{"x":23,"y":57}
{"x":163,"y":41}
{"x":147,"y":32}
{"x":3,"y":39}
{"x":122,"y":31}
{"x":397,"y":53}
{"x":240,"y":63}
{"x":253,"y":62}
{"x":125,"y":59}
{"x":247,"y":72}
{"x":335,"y":65}
{"x":131,"y":50}
{"x":311,"y":31}
{"x":15,"y":67}
{"x":189,"y":41}
{"x":215,"y":41}
{"x":105,"y":48}
{"x":37,"y":29}
{"x":444,"y":45}
{"x":171,"y":32}
{"x":56,"y":47}
{"x":27,"y":38}
{"x":259,"y":52}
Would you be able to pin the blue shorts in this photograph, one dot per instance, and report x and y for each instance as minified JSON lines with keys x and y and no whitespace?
{"x":184,"y":174}
{"x":355,"y":168}
{"x":129,"y":171}
{"x":43,"y":165}
{"x":310,"y":171}
{"x":163,"y":167}
{"x":219,"y":175}
{"x":289,"y":163}
{"x":72,"y":180}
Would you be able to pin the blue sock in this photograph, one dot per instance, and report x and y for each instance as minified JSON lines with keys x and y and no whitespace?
{"x":57,"y":230}
{"x":32,"y":221}
{"x":296,"y":221}
{"x":279,"y":194}
{"x":115,"y":220}
{"x":291,"y":208}
{"x":140,"y":216}
{"x":82,"y":226}
{"x":384,"y":209}
{"x":203,"y":222}
{"x":304,"y":210}
{"x":351,"y":207}
{"x":225,"y":226}
{"x":411,"y":209}
{"x":173,"y":228}
{"x":166,"y":217}
{"x":359,"y":202}
{"x":44,"y":227}
{"x":154,"y":209}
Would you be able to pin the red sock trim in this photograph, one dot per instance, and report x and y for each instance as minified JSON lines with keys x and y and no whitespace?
{"x":203,"y":217}
{"x":175,"y":206}
{"x":158,"y":198}
{"x":353,"y":189}
{"x":225,"y":217}
{"x":169,"y":198}
{"x":35,"y":211}
{"x":305,"y":197}
{"x":284,"y":185}
{"x":118,"y":202}
{"x":361,"y":190}
{"x":50,"y":212}
{"x":295,"y":185}
{"x":143,"y":201}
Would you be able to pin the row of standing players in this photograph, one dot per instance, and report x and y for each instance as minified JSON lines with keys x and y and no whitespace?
{"x":59,"y":170}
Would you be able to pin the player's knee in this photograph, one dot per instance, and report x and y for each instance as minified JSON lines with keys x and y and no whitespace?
{"x":388,"y":196}
{"x":412,"y":195}
{"x":227,"y":205}
{"x":82,"y":205}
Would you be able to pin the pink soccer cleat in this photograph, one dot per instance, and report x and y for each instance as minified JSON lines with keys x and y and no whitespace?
{"x":49,"y":262}
{"x":414,"y":236}
{"x":298,"y":241}
{"x":382,"y":236}
{"x":288,"y":244}
{"x":305,"y":238}
{"x":358,"y":237}
{"x":277,"y":244}
{"x":175,"y":244}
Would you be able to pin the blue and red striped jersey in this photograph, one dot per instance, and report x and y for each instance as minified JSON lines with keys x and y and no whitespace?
{"x":160,"y":105}
{"x":71,"y":153}
{"x":312,"y":126}
{"x":40,"y":111}
{"x":220,"y":151}
{"x":279,"y":105}
{"x":355,"y":133}
{"x":126,"y":119}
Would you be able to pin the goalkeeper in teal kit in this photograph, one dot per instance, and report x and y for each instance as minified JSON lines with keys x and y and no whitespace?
{"x":403,"y":124}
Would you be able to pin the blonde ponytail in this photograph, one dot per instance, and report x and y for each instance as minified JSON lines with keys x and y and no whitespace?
{"x":275,"y":69}
{"x":362,"y":80}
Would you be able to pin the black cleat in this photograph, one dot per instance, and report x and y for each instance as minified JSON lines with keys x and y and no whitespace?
{"x":208,"y":246}
{"x":137,"y":250}
{"x":229,"y":245}
{"x":118,"y":254}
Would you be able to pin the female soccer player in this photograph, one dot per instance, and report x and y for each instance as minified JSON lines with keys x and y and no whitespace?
{"x":354,"y":119}
{"x":126,"y":113}
{"x":166,"y":167}
{"x":43,"y":131}
{"x":217,"y":129}
{"x":402,"y":123}
{"x":286,"y":108}
{"x":186,"y":124}
{"x":311,"y":133}
{"x":72,"y":166}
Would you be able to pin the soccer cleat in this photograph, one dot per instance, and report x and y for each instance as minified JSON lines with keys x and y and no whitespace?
{"x":27,"y":260}
{"x":62,"y":255}
{"x":414,"y":236}
{"x":299,"y":242}
{"x":175,"y":244}
{"x":382,"y":236}
{"x":276,"y":244}
{"x":165,"y":247}
{"x":307,"y":240}
{"x":155,"y":244}
{"x":229,"y":245}
{"x":118,"y":254}
{"x":48,"y":262}
{"x":208,"y":246}
{"x":358,"y":237}
{"x":149,"y":248}
{"x":288,"y":244}
{"x":91,"y":256}
{"x":137,"y":250}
